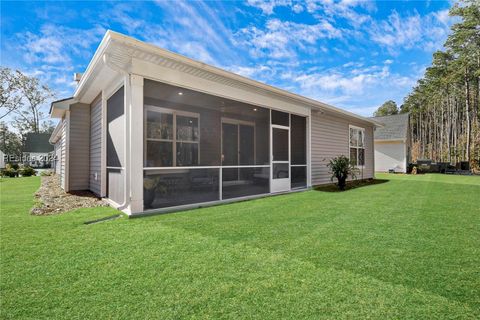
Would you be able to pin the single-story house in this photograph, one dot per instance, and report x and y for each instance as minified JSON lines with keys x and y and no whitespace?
{"x":392,"y":143}
{"x":37,"y":151}
{"x":154,"y":131}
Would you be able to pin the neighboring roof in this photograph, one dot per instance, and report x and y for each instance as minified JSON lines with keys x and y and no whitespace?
{"x":37,"y":142}
{"x":395,"y":127}
{"x":122,"y":49}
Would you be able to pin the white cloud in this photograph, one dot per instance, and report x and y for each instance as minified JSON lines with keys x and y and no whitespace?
{"x":282,"y":39}
{"x":197,"y":23}
{"x":268,"y":6}
{"x":259,"y":72}
{"x":405,"y":32}
{"x":196,"y":50}
{"x":297,"y":8}
{"x":443,"y":17}
{"x":353,"y":86}
{"x":347,"y":9}
{"x":398,"y":31}
{"x":56,"y":44}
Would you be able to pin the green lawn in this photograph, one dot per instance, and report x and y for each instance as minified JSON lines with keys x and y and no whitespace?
{"x":408,"y":248}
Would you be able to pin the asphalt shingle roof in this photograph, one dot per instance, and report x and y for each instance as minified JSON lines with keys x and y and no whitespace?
{"x":395,"y":128}
{"x":37,"y":142}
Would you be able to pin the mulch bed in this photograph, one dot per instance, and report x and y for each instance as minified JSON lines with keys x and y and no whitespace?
{"x":51,"y":199}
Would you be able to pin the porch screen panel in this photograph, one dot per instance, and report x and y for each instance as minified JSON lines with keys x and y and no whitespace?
{"x":250,"y":181}
{"x":298,"y":132}
{"x":115,"y":129}
{"x":190,"y":130}
{"x":168,"y":188}
{"x":115,"y":146}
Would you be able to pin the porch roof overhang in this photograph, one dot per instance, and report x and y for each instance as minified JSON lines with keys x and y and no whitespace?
{"x":118,"y":54}
{"x":56,"y":134}
{"x":58,"y":108}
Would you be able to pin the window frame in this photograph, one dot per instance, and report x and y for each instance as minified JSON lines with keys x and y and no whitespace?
{"x":174,"y":139}
{"x":357,"y":147}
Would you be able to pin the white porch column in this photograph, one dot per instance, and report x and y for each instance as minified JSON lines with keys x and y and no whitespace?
{"x":135,"y":153}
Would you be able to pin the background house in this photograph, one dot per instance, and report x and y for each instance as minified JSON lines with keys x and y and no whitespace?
{"x":392,"y":143}
{"x":37,"y":150}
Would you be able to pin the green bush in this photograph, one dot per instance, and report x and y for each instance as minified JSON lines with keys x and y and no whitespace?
{"x":341,"y":167}
{"x":27,"y":171}
{"x":46,"y":173}
{"x":9,"y":172}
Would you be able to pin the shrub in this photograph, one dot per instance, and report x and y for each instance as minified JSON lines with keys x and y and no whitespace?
{"x":9,"y":172}
{"x":27,"y":171}
{"x":341,"y":168}
{"x":46,"y":173}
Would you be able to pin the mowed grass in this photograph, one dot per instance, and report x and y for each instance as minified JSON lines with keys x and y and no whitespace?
{"x":405,"y":249}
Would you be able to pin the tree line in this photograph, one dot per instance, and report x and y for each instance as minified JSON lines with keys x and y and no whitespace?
{"x":444,"y":104}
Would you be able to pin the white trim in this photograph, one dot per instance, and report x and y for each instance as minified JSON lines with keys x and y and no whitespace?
{"x":220,"y":183}
{"x":135,"y":107}
{"x":309,"y":149}
{"x":114,"y":204}
{"x":236,"y":121}
{"x":281,"y":184}
{"x":277,"y":126}
{"x":67,"y":152}
{"x":103,"y":168}
{"x":390,"y":141}
{"x":357,"y":146}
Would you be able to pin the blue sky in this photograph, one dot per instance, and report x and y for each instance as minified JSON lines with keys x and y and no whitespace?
{"x":351,"y":54}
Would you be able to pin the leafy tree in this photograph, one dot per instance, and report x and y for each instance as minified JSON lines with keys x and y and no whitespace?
{"x":10,"y":142}
{"x":47,"y":126}
{"x":9,"y":99}
{"x":33,"y":96}
{"x":387,"y":108}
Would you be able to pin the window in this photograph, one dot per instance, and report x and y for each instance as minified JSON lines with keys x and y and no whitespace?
{"x":357,"y":146}
{"x":172,"y":138}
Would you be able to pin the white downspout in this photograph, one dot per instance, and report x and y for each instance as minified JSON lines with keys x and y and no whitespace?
{"x":126,"y":189}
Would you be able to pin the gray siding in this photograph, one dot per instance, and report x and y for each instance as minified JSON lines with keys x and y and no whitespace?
{"x":96,"y":146}
{"x":330,"y":138}
{"x":79,"y":147}
{"x":63,"y":152}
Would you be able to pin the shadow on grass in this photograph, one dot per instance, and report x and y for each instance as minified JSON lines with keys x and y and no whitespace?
{"x":350,"y":185}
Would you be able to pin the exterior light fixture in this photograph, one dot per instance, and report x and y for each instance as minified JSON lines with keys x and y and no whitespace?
{"x":180,"y":93}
